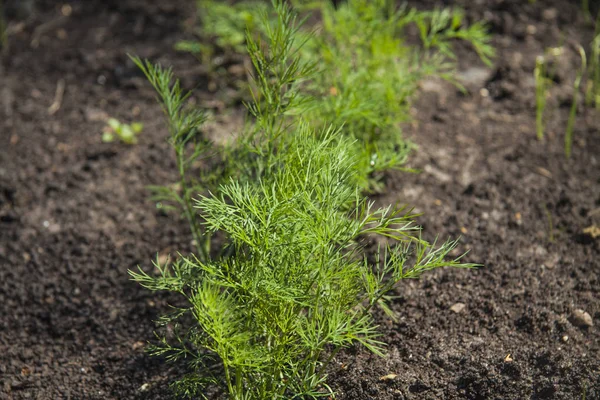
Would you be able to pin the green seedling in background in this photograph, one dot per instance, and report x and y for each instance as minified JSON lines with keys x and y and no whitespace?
{"x":575,"y":102}
{"x":367,"y":74}
{"x":222,"y":28}
{"x":585,"y":6}
{"x":592,"y":93}
{"x":542,"y":85}
{"x":370,"y":75}
{"x":590,"y":71}
{"x":124,"y":132}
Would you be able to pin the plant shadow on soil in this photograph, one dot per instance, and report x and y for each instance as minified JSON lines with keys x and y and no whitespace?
{"x":75,"y":215}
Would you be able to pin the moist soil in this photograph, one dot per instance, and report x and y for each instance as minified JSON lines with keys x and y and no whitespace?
{"x":75,"y":213}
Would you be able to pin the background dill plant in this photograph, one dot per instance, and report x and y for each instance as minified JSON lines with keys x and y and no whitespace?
{"x":366,"y":74}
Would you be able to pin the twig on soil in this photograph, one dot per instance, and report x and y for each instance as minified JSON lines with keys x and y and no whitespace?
{"x":58,"y":97}
{"x":46,"y":27}
{"x":543,"y":172}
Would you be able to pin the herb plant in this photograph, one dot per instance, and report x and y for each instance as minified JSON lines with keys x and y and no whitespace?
{"x":264,"y":318}
{"x":542,"y":84}
{"x":367,"y":74}
{"x":592,"y":94}
{"x":575,"y":102}
{"x":189,"y":146}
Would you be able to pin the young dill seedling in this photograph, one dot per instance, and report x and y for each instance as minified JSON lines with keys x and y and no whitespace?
{"x":575,"y":102}
{"x":296,"y":286}
{"x":585,"y":6}
{"x":189,"y":146}
{"x":542,"y":84}
{"x":592,"y":94}
{"x":367,"y":75}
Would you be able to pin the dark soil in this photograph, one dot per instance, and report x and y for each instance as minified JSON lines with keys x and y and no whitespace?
{"x":75,"y":215}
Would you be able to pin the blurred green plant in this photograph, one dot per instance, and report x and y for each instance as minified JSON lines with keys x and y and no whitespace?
{"x":592,"y":93}
{"x":222,"y":27}
{"x":542,"y":86}
{"x":575,"y":102}
{"x":126,"y":133}
{"x":263,"y":319}
{"x":367,"y":75}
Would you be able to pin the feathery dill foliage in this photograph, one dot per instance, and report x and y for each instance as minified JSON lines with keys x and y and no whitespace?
{"x":544,"y":83}
{"x":294,"y":286}
{"x":367,"y":74}
{"x":190,"y":147}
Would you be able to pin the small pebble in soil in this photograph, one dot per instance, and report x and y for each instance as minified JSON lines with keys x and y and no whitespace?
{"x":388,"y":377}
{"x":550,"y":14}
{"x":475,"y":77}
{"x":458,"y":307}
{"x":581,"y":319}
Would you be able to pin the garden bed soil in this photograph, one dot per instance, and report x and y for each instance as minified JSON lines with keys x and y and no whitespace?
{"x":75,"y":215}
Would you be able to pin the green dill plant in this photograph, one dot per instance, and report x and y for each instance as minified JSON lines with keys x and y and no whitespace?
{"x":575,"y":102}
{"x":222,"y":28}
{"x":592,"y":93}
{"x":542,"y":84}
{"x":190,"y":147}
{"x":264,"y":319}
{"x":368,"y":75}
{"x":438,"y":28}
{"x":585,"y":6}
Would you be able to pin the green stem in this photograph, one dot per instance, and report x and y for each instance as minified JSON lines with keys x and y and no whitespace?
{"x":202,"y":244}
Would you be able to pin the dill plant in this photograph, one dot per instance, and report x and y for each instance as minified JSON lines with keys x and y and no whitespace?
{"x":189,"y":146}
{"x":263,"y":319}
{"x":544,"y":82}
{"x":367,"y":74}
{"x":592,"y":93}
{"x":575,"y":102}
{"x":370,"y":75}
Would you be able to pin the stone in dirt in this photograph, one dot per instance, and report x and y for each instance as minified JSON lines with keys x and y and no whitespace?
{"x":581,"y":319}
{"x":458,"y":307}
